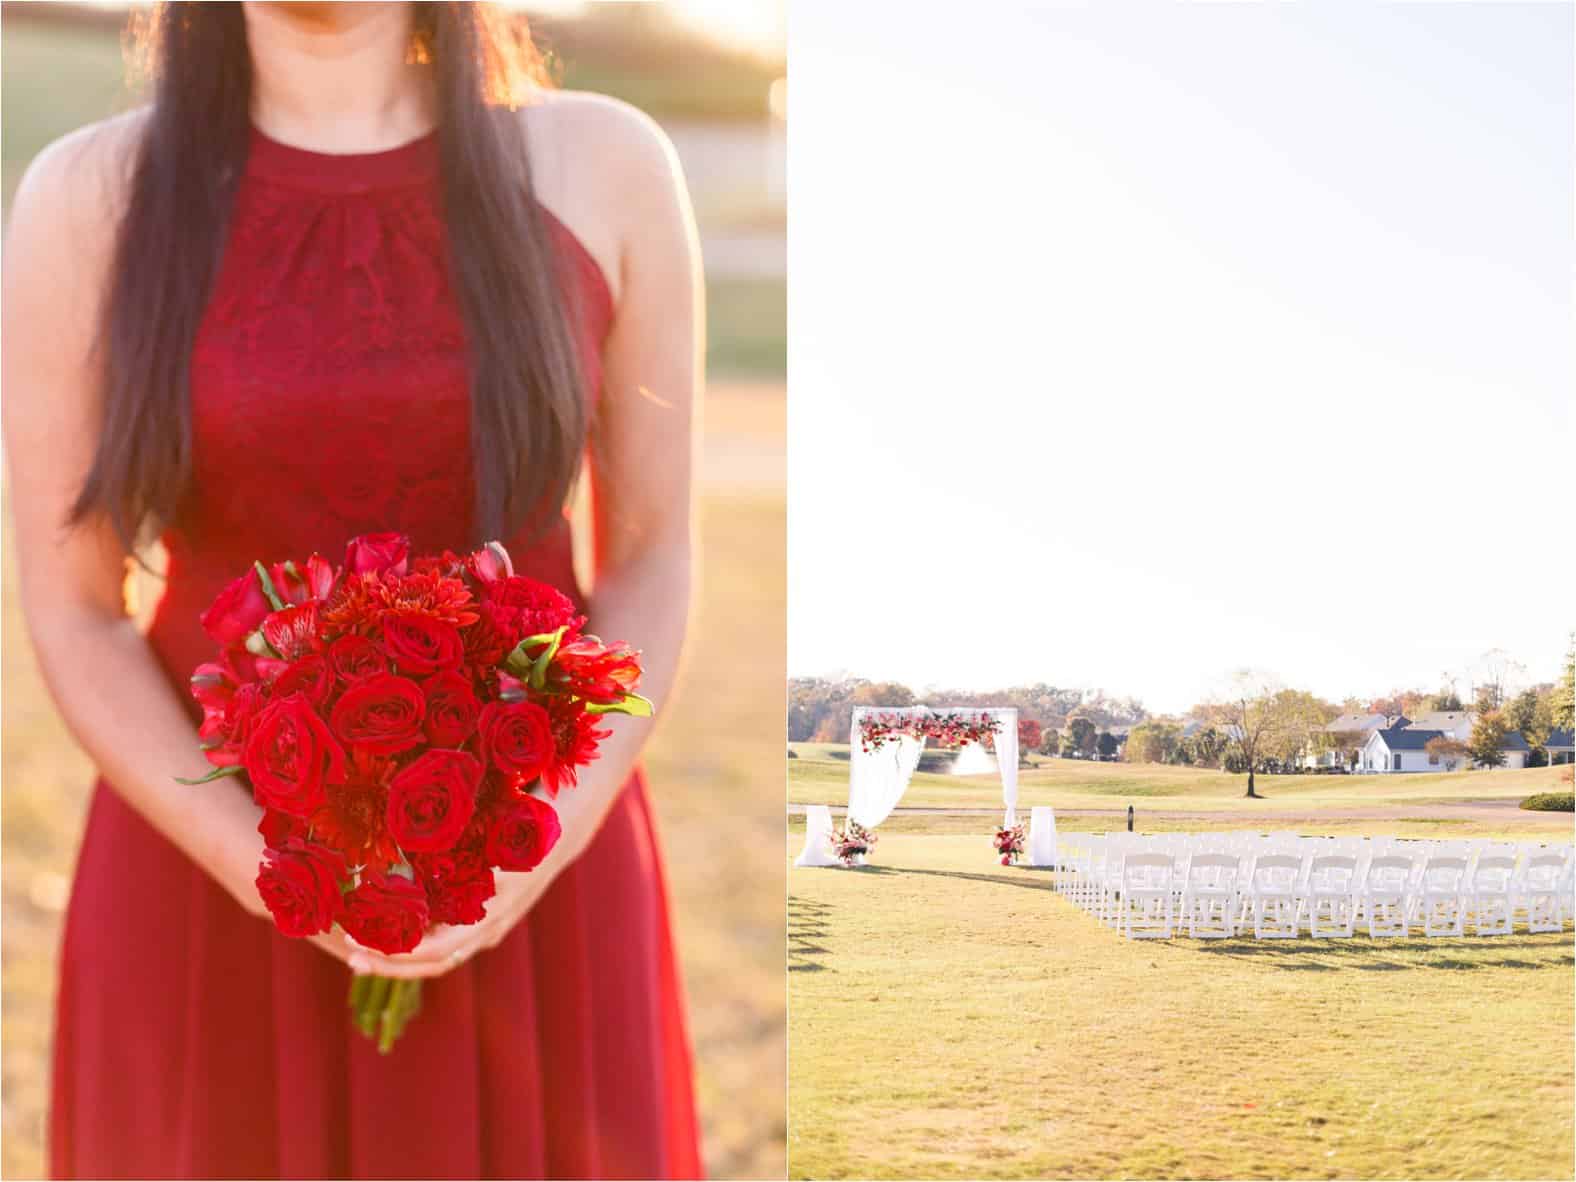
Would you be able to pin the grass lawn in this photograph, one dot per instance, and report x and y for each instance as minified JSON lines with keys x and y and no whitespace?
{"x":819,"y":775}
{"x":951,"y":1017}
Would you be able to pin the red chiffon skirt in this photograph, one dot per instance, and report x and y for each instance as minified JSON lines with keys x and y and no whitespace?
{"x":194,"y":1041}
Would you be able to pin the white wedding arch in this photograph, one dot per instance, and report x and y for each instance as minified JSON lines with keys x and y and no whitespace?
{"x":879,"y":774}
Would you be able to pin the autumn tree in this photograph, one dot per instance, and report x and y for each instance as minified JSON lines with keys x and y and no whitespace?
{"x":1080,"y":737}
{"x":1445,"y":751}
{"x":1152,"y":742}
{"x":1562,"y":701}
{"x":1029,"y":735}
{"x":1050,"y":741}
{"x":1487,"y":744}
{"x":1258,"y":714}
{"x":1106,"y":745}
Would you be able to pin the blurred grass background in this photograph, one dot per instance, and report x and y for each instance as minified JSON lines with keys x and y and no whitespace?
{"x":713,"y":760}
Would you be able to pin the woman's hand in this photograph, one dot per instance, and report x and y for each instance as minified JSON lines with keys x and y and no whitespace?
{"x":447,"y":947}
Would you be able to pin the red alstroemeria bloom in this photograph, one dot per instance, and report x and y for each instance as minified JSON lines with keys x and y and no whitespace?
{"x":292,"y":632}
{"x":300,"y":584}
{"x":595,"y":671}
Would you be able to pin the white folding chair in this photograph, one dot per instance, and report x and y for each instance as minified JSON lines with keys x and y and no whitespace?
{"x":1387,"y":894}
{"x":1146,"y":912}
{"x":1272,"y":896}
{"x":1488,"y":899}
{"x":1539,"y":892}
{"x":1439,"y":896}
{"x":1330,"y":895}
{"x":1209,"y":896}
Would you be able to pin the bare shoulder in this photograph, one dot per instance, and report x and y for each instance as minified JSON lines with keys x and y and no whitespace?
{"x":605,"y":169}
{"x":78,"y":183}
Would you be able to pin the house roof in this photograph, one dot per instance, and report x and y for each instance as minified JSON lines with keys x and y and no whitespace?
{"x":1513,"y":742}
{"x":1407,"y":738}
{"x":1442,"y":720}
{"x":1357,"y":722}
{"x":1559,"y":740}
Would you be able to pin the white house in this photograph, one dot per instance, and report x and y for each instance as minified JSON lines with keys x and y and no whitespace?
{"x":1560,"y":746}
{"x":1405,"y":749}
{"x":1362,"y":725}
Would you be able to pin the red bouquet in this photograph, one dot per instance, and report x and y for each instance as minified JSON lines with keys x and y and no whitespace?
{"x":1009,"y":844}
{"x":404,"y":724}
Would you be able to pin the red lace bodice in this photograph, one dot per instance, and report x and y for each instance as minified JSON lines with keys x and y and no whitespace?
{"x":329,"y":380}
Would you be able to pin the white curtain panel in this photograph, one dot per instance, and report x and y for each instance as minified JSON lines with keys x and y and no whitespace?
{"x":1042,"y":836}
{"x":1007,"y":760}
{"x":877,"y":779}
{"x":817,"y":837}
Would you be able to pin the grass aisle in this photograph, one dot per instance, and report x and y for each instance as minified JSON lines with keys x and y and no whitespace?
{"x":950,"y":1017}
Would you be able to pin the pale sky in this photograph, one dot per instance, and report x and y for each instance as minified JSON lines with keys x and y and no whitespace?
{"x":1131,"y":343}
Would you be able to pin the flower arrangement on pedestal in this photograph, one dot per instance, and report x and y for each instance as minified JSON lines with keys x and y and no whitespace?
{"x":1009,"y":844}
{"x":851,"y":843}
{"x":949,"y":730}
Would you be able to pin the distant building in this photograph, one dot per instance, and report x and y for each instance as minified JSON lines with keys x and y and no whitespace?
{"x":1560,"y":747}
{"x":1359,"y":724}
{"x":1405,"y":748}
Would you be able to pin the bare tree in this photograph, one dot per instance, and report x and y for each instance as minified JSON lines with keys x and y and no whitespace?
{"x":1495,"y":673}
{"x":1251,"y":712}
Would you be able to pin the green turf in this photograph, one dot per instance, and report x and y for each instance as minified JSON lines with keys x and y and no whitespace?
{"x":950,"y":1017}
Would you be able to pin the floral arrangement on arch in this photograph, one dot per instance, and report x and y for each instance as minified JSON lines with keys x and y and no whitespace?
{"x":851,"y":843}
{"x":949,"y":730}
{"x":1009,"y":844}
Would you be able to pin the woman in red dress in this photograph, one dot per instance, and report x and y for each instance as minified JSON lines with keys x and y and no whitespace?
{"x":335,"y":279}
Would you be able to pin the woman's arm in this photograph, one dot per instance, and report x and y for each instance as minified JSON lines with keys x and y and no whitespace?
{"x":99,"y":668}
{"x":641,"y":461}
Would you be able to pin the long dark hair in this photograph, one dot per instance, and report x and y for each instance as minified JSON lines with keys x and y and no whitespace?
{"x":528,"y":419}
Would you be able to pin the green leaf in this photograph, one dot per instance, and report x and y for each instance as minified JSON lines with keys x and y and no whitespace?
{"x":633,"y":704}
{"x":217,"y":773}
{"x":268,"y":586}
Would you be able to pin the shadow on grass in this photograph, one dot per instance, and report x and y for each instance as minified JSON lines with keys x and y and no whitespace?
{"x":1366,"y":954}
{"x":997,"y":879}
{"x":808,"y":923}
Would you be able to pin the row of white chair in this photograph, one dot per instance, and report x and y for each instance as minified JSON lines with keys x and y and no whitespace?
{"x":1214,"y":885}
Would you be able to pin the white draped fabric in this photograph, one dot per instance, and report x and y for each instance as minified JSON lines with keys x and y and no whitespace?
{"x":1042,"y":836}
{"x":877,"y":779}
{"x":817,"y":837}
{"x":1007,"y":760}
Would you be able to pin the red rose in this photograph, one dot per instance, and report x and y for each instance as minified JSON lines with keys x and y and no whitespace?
{"x":375,"y":553}
{"x":300,"y":885}
{"x":355,"y":657}
{"x":289,"y":755}
{"x":310,"y":676}
{"x":518,"y":607}
{"x":575,"y":739}
{"x":522,"y":832}
{"x":432,"y":799}
{"x":452,"y":708}
{"x":237,"y":610}
{"x":419,"y":644}
{"x":380,"y":714}
{"x":595,"y":671}
{"x":386,"y":912}
{"x":292,"y":632}
{"x":458,"y":883}
{"x":516,"y":738}
{"x":278,"y":828}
